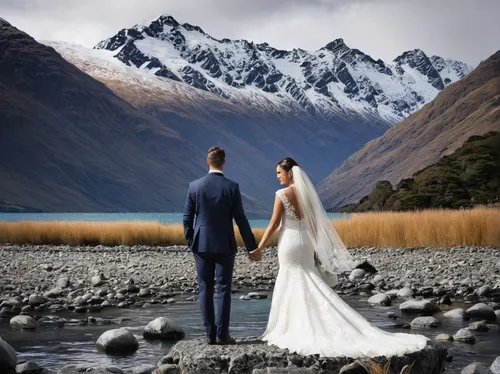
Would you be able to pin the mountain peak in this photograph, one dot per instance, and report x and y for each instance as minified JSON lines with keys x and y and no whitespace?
{"x":336,"y":45}
{"x":167,"y":19}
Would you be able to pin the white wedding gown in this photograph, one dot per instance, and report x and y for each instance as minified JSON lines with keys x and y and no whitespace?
{"x":308,"y":317}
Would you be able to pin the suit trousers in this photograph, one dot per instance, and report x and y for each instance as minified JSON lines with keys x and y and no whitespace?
{"x":218,"y":267}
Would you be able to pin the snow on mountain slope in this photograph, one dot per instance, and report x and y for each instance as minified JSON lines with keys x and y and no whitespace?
{"x":332,"y":81}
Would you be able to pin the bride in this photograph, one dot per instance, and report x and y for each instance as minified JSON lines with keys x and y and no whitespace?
{"x":307,"y":316}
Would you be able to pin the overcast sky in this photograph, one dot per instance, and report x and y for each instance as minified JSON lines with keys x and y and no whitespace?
{"x":459,"y":29}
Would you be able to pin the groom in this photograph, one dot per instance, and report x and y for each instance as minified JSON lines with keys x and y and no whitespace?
{"x":215,"y":200}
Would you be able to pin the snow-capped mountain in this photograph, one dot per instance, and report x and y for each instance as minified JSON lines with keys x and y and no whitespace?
{"x":333,"y":81}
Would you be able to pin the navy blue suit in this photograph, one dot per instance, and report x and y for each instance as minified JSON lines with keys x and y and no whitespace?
{"x":211,"y":204}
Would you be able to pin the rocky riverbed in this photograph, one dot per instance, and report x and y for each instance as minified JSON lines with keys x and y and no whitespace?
{"x":37,"y":282}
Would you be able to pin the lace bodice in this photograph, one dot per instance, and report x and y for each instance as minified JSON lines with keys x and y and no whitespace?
{"x":289,"y":209}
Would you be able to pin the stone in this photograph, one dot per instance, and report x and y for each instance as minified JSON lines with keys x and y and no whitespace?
{"x":475,"y":368}
{"x":63,"y":282}
{"x":54,"y":292}
{"x":257,"y":295}
{"x":8,"y":357}
{"x":75,"y":369}
{"x":483,"y":291}
{"x":380,"y":299}
{"x":445,"y":300}
{"x":163,"y":328}
{"x":36,"y":300}
{"x":97,"y":280}
{"x":251,"y":354}
{"x":465,"y":336}
{"x":422,"y":307}
{"x":24,"y":322}
{"x":495,"y":366}
{"x":28,"y":367}
{"x":118,"y":341}
{"x":444,"y":337}
{"x":424,"y":322}
{"x":458,"y":313}
{"x":482,"y":311}
{"x":52,"y":321}
{"x":143,"y":369}
{"x":405,"y":293}
{"x":480,"y":326}
{"x":167,"y":369}
{"x":357,"y":274}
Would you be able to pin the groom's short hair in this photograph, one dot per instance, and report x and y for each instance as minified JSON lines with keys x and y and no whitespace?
{"x":216,"y":156}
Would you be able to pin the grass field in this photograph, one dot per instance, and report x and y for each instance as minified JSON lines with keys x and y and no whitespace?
{"x":428,"y":228}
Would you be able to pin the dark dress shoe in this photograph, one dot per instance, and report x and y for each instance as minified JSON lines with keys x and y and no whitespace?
{"x":229,"y":340}
{"x":211,"y":341}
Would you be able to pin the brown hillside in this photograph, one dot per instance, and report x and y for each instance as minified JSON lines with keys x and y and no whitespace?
{"x":468,"y":107}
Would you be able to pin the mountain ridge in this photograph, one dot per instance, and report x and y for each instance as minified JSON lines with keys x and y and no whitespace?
{"x":465,"y":108}
{"x":334,"y":80}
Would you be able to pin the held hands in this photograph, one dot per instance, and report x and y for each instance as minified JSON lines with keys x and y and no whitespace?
{"x":256,"y":255}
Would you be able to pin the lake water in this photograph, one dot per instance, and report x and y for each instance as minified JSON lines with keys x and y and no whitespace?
{"x":163,"y":218}
{"x":53,"y":348}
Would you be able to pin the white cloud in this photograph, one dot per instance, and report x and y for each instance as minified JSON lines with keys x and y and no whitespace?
{"x":460,"y":29}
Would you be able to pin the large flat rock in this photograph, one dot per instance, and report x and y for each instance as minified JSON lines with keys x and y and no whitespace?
{"x":252,"y":356}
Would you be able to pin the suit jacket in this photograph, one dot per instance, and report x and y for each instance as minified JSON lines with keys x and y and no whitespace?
{"x":211,"y":204}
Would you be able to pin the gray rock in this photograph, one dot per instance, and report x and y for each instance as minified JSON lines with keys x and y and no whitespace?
{"x":495,"y":366}
{"x":424,"y":322}
{"x":163,"y":328}
{"x":97,"y":280}
{"x":458,"y":313}
{"x":35,"y":300}
{"x":393,"y":294}
{"x":167,"y":369}
{"x":422,"y":307}
{"x":144,"y":292}
{"x":378,"y":278}
{"x":55,"y":292}
{"x":63,"y":282}
{"x":480,"y":326}
{"x":74,"y":369}
{"x":24,"y":322}
{"x":482,"y":311}
{"x":8,"y":357}
{"x":475,"y":368}
{"x":12,"y":303}
{"x":52,"y":321}
{"x":143,"y":369}
{"x":251,"y":354}
{"x":28,"y":368}
{"x":483,"y":291}
{"x":465,"y":336}
{"x":118,"y":341}
{"x":444,"y":337}
{"x":405,"y":293}
{"x":114,"y":370}
{"x":357,"y":274}
{"x":257,"y":295}
{"x":380,"y":299}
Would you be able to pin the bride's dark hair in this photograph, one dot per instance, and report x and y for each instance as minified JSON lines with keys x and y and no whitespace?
{"x":287,"y":163}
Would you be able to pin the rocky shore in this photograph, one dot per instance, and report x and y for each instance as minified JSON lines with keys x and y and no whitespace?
{"x":36,"y":282}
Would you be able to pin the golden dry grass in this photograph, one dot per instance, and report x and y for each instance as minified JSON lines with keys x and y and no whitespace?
{"x":430,"y":228}
{"x":426,"y":228}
